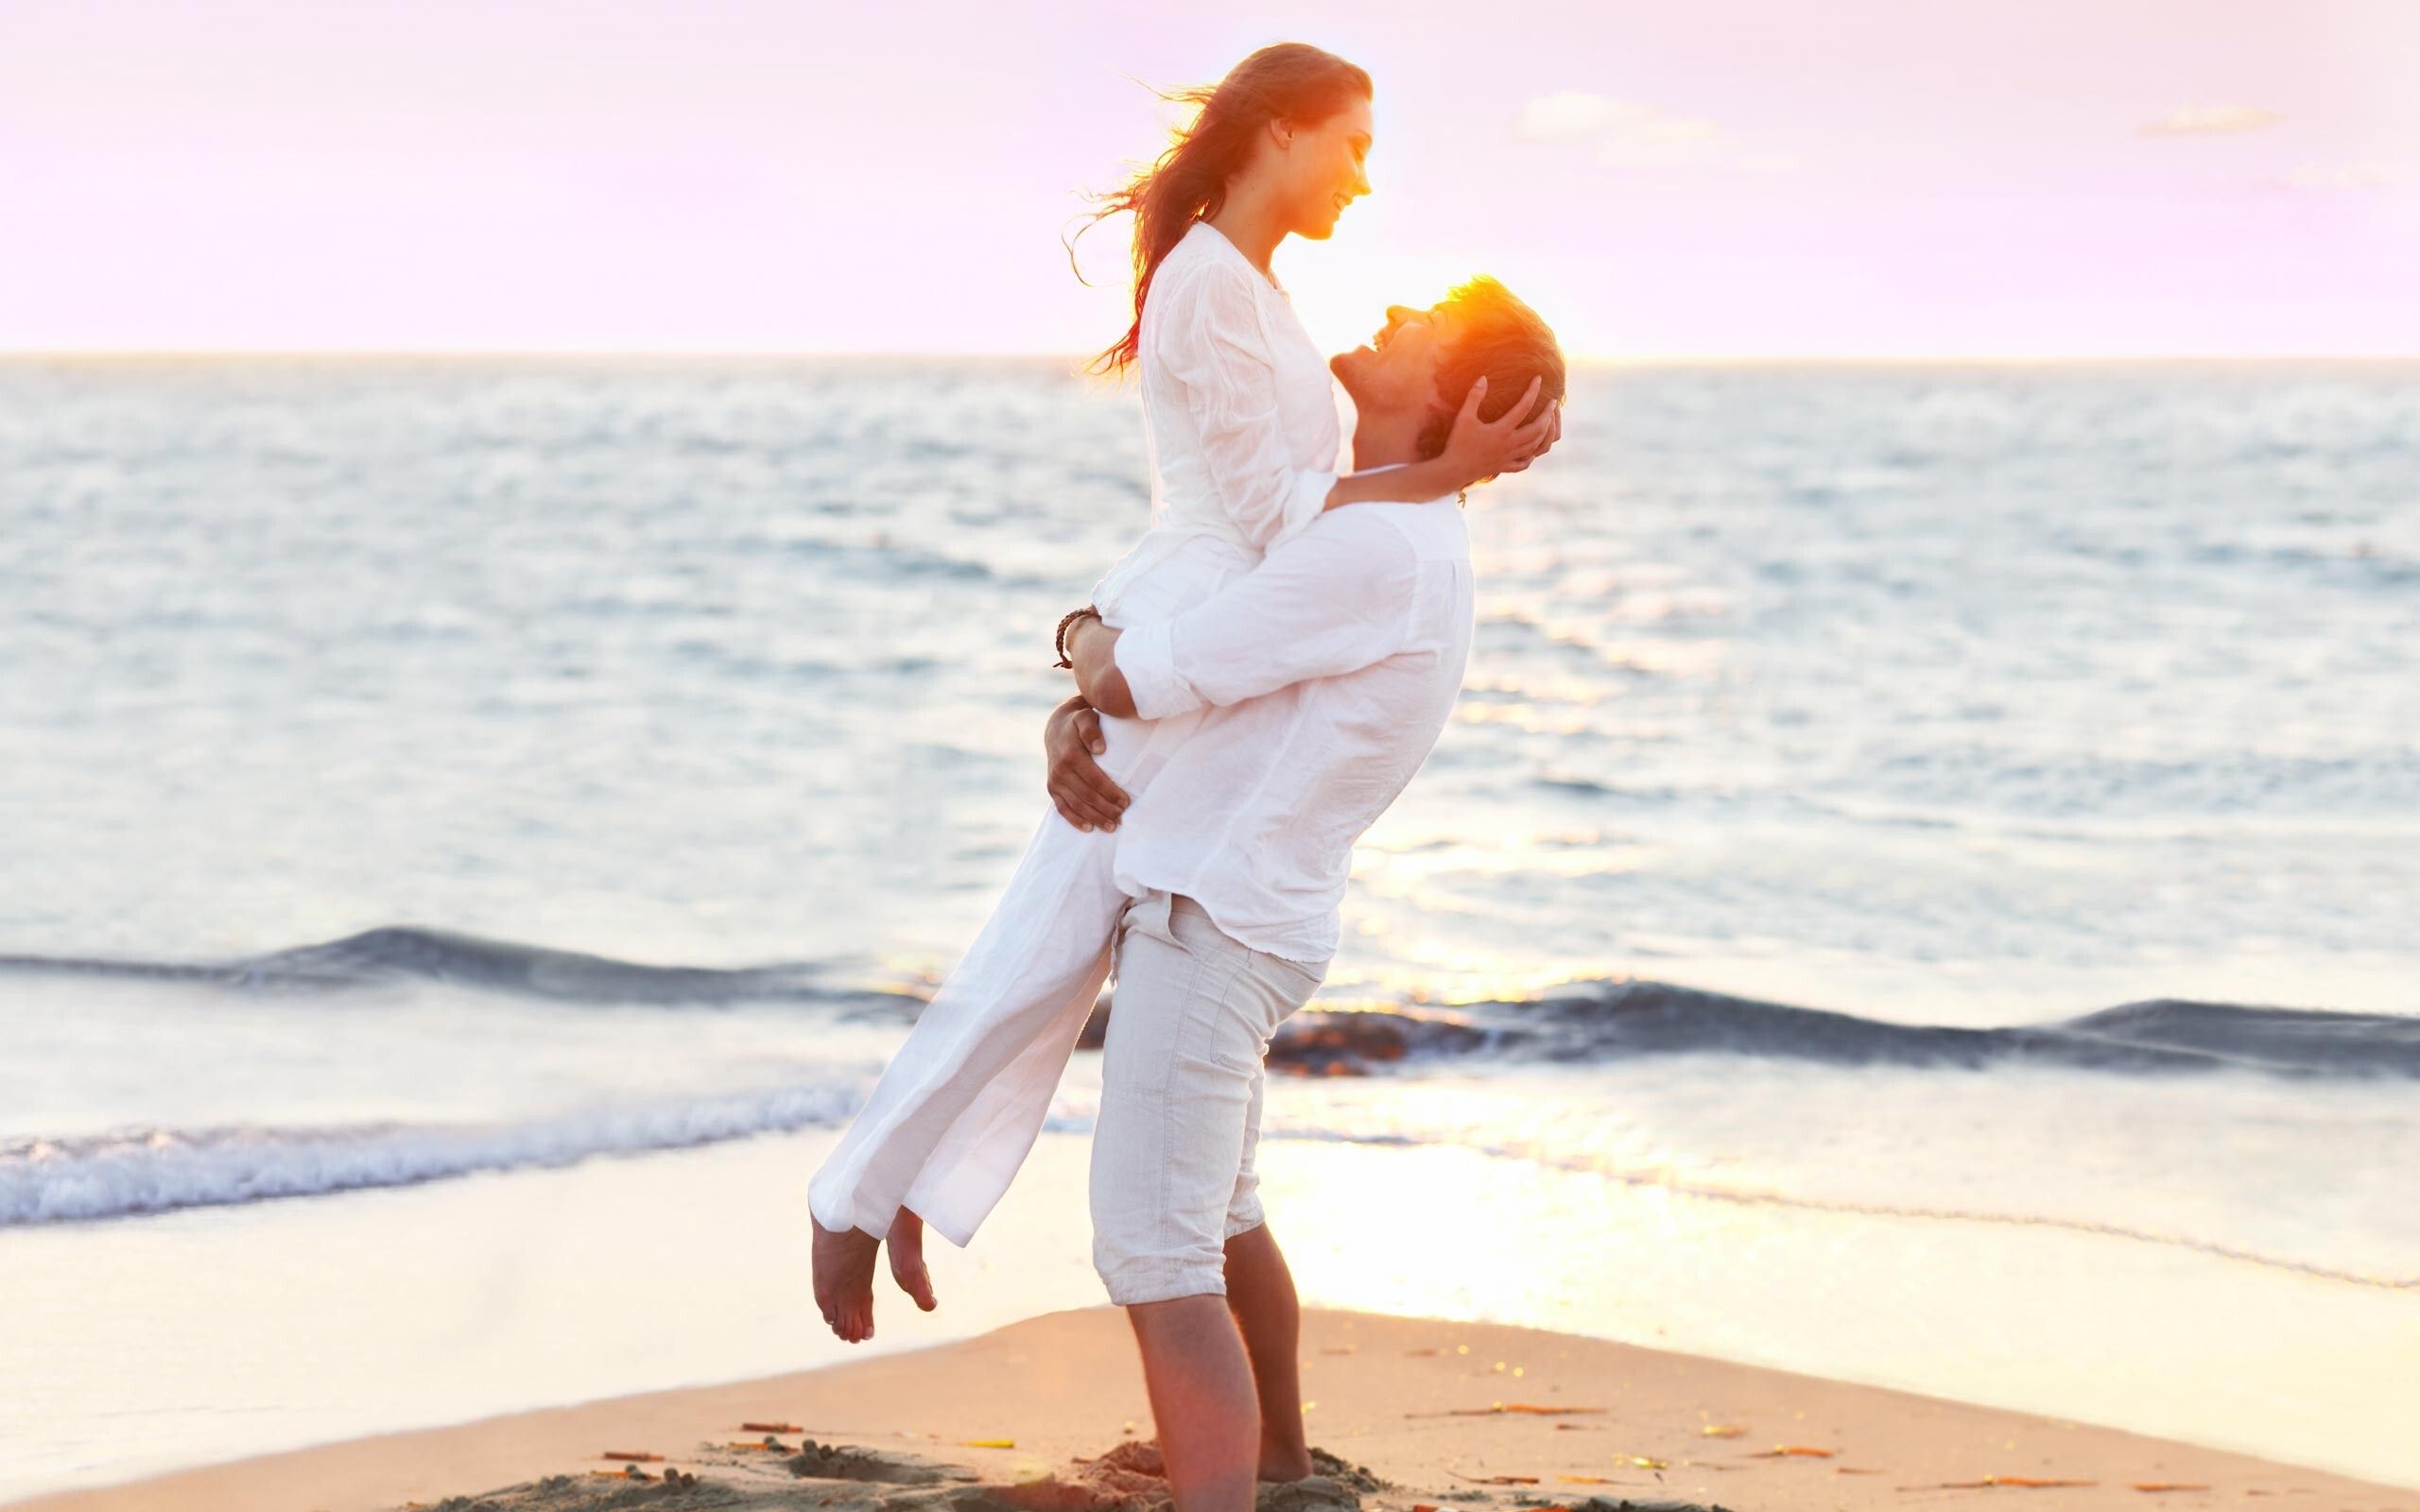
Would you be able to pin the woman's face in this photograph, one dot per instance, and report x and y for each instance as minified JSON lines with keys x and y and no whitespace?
{"x":1324,"y":167}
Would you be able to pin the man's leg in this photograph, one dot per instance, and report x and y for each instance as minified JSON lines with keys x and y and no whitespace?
{"x":1192,"y":1015}
{"x":1200,"y":1387}
{"x":1260,"y":1294}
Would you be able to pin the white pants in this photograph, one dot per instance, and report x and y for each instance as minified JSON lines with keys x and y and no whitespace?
{"x":1182,"y":1079}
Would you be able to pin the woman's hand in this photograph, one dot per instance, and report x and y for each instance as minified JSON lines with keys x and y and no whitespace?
{"x":1079,"y":790}
{"x":1486,"y":448}
{"x":1554,"y":434}
{"x":1476,"y":450}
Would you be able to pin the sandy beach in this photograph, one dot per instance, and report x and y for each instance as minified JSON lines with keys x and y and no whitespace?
{"x":1049,"y":1414}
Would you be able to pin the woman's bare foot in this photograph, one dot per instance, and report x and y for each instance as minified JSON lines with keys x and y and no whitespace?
{"x":843,"y":1263}
{"x":906,"y":1244}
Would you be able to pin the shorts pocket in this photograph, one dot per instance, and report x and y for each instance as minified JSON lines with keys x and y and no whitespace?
{"x":1217,"y":1033}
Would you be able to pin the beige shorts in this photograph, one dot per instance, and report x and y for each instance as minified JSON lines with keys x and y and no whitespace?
{"x":1182,"y":1076}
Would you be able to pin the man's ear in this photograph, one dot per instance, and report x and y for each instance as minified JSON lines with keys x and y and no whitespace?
{"x":1436,"y":422}
{"x":1442,"y":402}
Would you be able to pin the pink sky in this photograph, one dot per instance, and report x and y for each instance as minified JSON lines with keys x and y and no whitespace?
{"x":1871,"y":178}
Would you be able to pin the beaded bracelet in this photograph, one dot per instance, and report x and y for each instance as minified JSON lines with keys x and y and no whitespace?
{"x":1061,"y":639}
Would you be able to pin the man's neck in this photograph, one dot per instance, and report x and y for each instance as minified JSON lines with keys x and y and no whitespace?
{"x":1381,"y":440}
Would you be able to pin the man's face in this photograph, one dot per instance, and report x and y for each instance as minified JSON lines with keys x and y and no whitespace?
{"x":1396,"y":372}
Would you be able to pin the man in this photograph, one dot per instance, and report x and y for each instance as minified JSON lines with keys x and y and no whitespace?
{"x":1332,"y":668}
{"x":1321,"y":678}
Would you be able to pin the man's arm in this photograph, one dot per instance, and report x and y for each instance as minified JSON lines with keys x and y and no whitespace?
{"x":1336,"y":599}
{"x":1093,"y":647}
{"x":1081,"y":791}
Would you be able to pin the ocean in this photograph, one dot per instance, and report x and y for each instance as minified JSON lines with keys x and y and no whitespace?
{"x":1923,"y":884}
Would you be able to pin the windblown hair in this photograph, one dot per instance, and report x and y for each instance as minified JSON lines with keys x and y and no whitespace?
{"x":1287,"y":80}
{"x":1500,"y":339}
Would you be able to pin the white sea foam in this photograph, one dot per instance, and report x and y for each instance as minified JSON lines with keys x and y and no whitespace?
{"x":147,"y":1170}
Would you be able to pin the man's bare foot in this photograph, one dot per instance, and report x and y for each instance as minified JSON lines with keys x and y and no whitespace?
{"x":1284,"y":1464}
{"x":906,"y":1244}
{"x":844,"y":1279}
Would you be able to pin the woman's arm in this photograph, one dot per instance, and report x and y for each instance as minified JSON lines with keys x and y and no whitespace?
{"x":1210,"y":340}
{"x":1477,"y":449}
{"x":1410,"y":483}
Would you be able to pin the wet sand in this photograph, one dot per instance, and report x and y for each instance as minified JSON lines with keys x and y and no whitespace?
{"x":1049,"y":1414}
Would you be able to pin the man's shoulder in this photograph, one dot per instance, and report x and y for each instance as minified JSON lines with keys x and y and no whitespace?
{"x":1382,"y":518}
{"x":1432,"y":529}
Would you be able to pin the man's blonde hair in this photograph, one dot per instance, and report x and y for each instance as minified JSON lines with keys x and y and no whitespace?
{"x":1501,"y":340}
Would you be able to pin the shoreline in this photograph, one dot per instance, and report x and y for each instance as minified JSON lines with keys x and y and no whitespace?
{"x":1432,"y":1407}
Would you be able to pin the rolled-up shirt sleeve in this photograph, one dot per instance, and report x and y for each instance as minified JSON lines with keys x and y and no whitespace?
{"x":1212,"y":341}
{"x":1335,"y":600}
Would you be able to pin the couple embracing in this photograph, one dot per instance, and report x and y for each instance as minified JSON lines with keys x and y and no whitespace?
{"x":1256,"y":681}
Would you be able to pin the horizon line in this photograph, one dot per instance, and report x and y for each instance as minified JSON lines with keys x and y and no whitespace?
{"x":805,"y":353}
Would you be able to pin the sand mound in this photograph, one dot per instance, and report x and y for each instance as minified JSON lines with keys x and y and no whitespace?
{"x":821,"y":1477}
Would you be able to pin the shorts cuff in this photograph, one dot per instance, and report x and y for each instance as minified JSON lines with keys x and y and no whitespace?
{"x":1161,"y":1284}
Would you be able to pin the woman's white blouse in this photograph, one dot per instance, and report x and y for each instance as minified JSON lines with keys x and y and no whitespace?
{"x":1246,"y":428}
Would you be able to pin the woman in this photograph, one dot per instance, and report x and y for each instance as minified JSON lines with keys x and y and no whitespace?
{"x":1248,"y":446}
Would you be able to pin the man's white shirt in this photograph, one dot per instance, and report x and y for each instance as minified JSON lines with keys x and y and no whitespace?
{"x":1289,"y":706}
{"x":1324,"y":677}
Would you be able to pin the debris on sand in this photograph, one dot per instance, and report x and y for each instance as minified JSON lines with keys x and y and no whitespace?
{"x":848,"y":1462}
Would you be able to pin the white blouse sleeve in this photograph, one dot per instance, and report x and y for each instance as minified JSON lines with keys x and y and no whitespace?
{"x":1211,"y":341}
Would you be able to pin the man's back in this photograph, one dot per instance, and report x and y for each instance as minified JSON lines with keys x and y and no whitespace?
{"x":1330,"y":671}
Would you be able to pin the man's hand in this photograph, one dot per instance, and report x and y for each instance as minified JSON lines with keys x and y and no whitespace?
{"x":1081,"y":791}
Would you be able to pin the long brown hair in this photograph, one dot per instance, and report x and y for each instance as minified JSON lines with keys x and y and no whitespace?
{"x":1290,"y":80}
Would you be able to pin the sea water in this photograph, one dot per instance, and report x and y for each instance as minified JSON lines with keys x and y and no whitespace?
{"x":1921,"y":885}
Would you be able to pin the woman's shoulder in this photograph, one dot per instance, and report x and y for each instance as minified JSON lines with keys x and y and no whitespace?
{"x":1196,"y":266}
